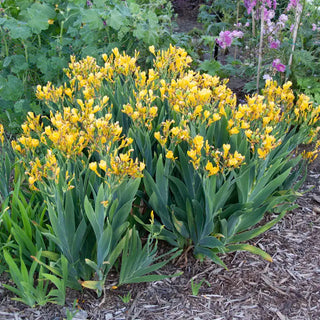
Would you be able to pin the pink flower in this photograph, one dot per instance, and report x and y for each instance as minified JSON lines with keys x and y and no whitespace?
{"x":275,"y":44}
{"x":247,"y":24}
{"x":278,"y":65}
{"x":266,"y":77}
{"x":236,"y":34}
{"x":314,"y":27}
{"x":225,"y":39}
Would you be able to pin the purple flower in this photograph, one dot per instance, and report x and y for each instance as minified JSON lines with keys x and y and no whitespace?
{"x":89,"y":3}
{"x":275,"y":44}
{"x":278,"y":65}
{"x":282,"y":21}
{"x":268,"y":14}
{"x":291,"y":27}
{"x":292,"y":4}
{"x":314,"y":27}
{"x":283,"y":18}
{"x":250,"y":4}
{"x":247,"y":24}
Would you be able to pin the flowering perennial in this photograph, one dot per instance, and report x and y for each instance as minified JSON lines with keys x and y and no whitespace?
{"x":85,"y":124}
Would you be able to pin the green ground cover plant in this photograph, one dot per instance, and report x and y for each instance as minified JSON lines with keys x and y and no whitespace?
{"x":125,"y":158}
{"x":37,"y":39}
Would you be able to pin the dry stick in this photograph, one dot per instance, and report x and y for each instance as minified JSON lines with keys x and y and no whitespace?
{"x":236,"y":48}
{"x":253,"y":24}
{"x":294,"y":37}
{"x":260,"y":47}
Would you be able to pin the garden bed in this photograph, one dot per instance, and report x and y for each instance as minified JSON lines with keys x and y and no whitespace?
{"x":163,"y":155}
{"x":287,"y":288}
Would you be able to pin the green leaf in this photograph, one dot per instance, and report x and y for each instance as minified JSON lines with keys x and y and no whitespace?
{"x":116,"y":20}
{"x":11,"y":88}
{"x":210,"y":254}
{"x":137,"y":261}
{"x":18,"y":29}
{"x":37,"y":16}
{"x":245,"y":236}
{"x":249,"y":248}
{"x":210,"y":242}
{"x":94,"y":285}
{"x":92,"y":18}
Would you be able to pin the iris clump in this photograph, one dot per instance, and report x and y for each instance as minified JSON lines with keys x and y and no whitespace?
{"x":121,"y":145}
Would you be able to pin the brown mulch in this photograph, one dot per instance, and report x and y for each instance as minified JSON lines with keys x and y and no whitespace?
{"x":252,"y":288}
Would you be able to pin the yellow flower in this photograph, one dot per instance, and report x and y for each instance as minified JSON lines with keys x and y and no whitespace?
{"x":105,"y":203}
{"x":162,"y":140}
{"x":198,"y":143}
{"x":103,"y":165}
{"x":93,"y":167}
{"x":141,"y":166}
{"x":206,"y":114}
{"x":1,"y":133}
{"x":151,"y":217}
{"x":269,"y":129}
{"x":262,"y":153}
{"x":51,"y":21}
{"x":212,"y":170}
{"x":216,"y":117}
{"x":226,"y":148}
{"x":248,"y":133}
{"x":232,"y":162}
{"x":125,"y":157}
{"x":153,"y":111}
{"x":68,"y":92}
{"x":234,"y":130}
{"x":31,"y":180}
{"x":170,"y":155}
{"x":152,"y":50}
{"x":192,"y":154}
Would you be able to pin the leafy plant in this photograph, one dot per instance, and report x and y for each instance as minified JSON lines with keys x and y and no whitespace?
{"x":126,"y":298}
{"x":137,"y":261}
{"x":120,"y":143}
{"x":26,"y":290}
{"x":195,"y":286}
{"x":38,"y":39}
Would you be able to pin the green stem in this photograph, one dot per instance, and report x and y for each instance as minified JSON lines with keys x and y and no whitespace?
{"x":39,"y":40}
{"x":5,"y":44}
{"x":25,"y":51}
{"x":60,"y":37}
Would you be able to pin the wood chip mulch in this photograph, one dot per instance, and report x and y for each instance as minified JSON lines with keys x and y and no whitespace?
{"x":252,"y":288}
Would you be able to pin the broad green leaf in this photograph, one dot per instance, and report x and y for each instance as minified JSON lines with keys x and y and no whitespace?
{"x":249,"y":248}
{"x":18,"y":29}
{"x":37,"y":16}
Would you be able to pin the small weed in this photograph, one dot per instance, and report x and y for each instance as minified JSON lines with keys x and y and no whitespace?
{"x":195,"y":287}
{"x":72,"y":312}
{"x":126,"y":298}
